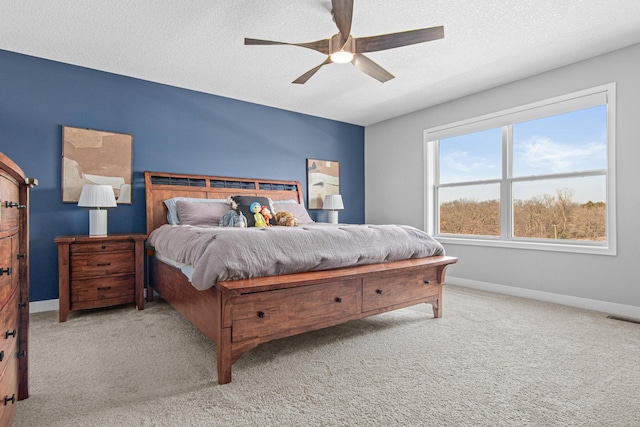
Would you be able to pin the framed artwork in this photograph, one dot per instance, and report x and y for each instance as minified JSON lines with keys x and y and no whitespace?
{"x":323,"y":178}
{"x":96,"y":157}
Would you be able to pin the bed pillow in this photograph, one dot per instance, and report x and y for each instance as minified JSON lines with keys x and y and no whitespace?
{"x":295,"y":208}
{"x":197,"y":213}
{"x":244,"y":203}
{"x":172,"y":210}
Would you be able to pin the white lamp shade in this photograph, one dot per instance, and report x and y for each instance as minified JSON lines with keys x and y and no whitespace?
{"x":333,"y":202}
{"x":97,"y":196}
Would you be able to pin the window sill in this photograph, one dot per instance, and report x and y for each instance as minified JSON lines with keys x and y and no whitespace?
{"x":577,"y":248}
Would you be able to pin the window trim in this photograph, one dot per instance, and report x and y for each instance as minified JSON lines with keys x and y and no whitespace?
{"x":569,"y":102}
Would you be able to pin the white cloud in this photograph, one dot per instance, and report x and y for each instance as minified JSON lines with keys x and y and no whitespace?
{"x":554,"y":157}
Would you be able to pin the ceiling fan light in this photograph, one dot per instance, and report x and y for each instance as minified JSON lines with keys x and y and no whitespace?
{"x":341,"y":57}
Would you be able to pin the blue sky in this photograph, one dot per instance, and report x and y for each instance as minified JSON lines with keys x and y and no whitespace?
{"x":569,"y":142}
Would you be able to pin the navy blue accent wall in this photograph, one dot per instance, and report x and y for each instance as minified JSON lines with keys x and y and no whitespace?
{"x":174,"y":130}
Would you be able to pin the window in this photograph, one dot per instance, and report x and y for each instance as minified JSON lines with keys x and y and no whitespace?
{"x":540,"y":176}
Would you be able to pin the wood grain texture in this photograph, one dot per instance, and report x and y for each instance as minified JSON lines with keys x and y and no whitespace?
{"x":100,"y":271}
{"x":238,"y":315}
{"x":14,"y":286}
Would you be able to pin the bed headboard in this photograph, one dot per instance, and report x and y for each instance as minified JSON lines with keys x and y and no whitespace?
{"x":159,"y":186}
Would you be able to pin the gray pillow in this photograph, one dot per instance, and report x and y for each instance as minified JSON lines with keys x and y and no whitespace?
{"x":197,"y":213}
{"x":295,"y":208}
{"x":172,"y":210}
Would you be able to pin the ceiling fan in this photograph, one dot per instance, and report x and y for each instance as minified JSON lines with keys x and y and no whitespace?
{"x":342,"y":47}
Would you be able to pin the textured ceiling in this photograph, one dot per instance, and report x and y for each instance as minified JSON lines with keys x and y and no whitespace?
{"x":198,"y":44}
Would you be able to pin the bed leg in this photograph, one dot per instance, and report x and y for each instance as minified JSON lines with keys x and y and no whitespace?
{"x":224,"y":357}
{"x":437,"y":312}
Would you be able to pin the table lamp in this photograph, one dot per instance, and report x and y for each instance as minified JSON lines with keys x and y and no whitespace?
{"x":333,"y":203}
{"x":97,"y":196}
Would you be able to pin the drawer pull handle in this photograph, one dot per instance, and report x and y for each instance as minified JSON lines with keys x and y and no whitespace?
{"x":8,"y":399}
{"x":7,"y":270}
{"x":261,"y":314}
{"x":22,"y":304}
{"x":379,"y":291}
{"x":103,"y":264}
{"x":104,"y":288}
{"x":104,"y":247}
{"x":426,"y":282}
{"x":338,"y":299}
{"x":9,"y":334}
{"x":9,"y":204}
{"x":1,"y":355}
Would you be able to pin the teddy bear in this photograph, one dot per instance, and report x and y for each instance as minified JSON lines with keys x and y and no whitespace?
{"x":286,"y":219}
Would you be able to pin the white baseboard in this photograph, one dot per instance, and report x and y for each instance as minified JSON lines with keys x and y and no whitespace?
{"x":46,"y":305}
{"x":588,"y":304}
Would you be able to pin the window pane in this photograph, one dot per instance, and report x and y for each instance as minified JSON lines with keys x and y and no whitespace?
{"x":470,"y":209}
{"x":571,"y":209}
{"x":569,"y":142}
{"x":471,"y":157}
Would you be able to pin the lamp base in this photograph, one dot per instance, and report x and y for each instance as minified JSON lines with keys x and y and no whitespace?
{"x":97,"y":223}
{"x":333,"y":217}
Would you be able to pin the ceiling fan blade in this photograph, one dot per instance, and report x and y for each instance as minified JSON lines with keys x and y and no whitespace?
{"x":369,"y":67}
{"x":393,"y":40}
{"x":343,"y":14}
{"x":321,"y":46}
{"x":306,"y":76}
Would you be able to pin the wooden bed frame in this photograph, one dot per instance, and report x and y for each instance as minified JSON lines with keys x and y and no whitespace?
{"x":240,"y":314}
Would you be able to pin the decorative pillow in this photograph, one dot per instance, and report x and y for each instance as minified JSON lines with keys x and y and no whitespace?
{"x":172,"y":210}
{"x":295,"y":208}
{"x":196,"y":213}
{"x":244,"y":204}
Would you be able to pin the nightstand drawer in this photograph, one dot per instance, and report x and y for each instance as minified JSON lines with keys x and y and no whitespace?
{"x":103,"y":246}
{"x":106,"y":288}
{"x":96,"y":265}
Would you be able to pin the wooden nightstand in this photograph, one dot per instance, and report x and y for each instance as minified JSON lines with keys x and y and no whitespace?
{"x":100,"y":271}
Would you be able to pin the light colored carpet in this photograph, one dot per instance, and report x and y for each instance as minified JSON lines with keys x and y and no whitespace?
{"x":492,"y":360}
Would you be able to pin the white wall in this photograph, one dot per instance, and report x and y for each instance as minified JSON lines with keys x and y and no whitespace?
{"x":394,"y":180}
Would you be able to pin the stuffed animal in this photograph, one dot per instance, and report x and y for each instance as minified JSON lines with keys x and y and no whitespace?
{"x":286,"y":219}
{"x":266,"y":214}
{"x":233,"y":219}
{"x":255,"y":207}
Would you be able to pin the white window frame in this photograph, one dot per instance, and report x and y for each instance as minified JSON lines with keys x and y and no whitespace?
{"x":570,"y":102}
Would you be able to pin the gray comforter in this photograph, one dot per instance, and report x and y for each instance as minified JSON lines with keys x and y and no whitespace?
{"x":220,"y":253}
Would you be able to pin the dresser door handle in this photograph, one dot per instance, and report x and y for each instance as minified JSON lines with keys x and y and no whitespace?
{"x":7,"y":270}
{"x":103,"y":264}
{"x":8,"y":399}
{"x":426,"y":282}
{"x":9,"y":334}
{"x":1,"y":355}
{"x":9,"y":204}
{"x":379,"y":291}
{"x":261,"y":314}
{"x":104,"y":288}
{"x":338,"y":299}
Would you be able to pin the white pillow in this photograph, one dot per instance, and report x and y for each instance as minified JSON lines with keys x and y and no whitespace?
{"x":172,"y":211}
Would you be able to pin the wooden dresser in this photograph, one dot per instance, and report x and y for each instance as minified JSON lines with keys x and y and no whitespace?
{"x":100,"y":271}
{"x":14,"y":287}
